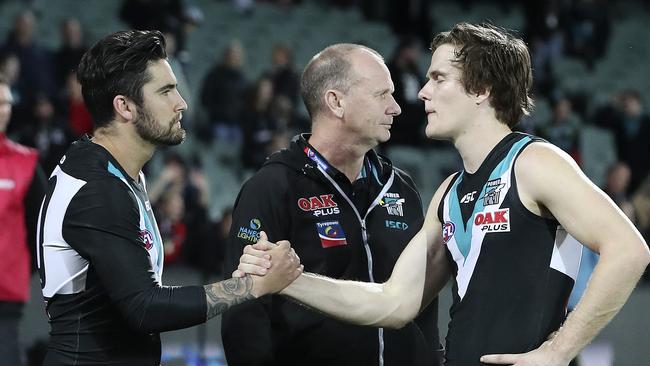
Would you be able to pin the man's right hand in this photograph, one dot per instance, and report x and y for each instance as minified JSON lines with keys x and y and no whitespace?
{"x":273,"y":266}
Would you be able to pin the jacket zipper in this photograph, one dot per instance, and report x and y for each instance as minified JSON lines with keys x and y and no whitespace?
{"x":364,"y":235}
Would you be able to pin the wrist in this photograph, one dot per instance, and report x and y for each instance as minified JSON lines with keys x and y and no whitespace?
{"x":257,"y":289}
{"x":560,"y":351}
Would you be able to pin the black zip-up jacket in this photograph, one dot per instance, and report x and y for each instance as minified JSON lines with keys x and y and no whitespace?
{"x":299,"y":197}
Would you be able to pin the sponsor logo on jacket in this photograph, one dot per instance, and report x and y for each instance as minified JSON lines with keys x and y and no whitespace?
{"x":322,"y":205}
{"x":331,"y":234}
{"x":497,"y":221}
{"x":399,"y":225}
{"x":250,"y":233}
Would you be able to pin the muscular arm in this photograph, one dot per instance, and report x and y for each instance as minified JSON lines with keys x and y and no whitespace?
{"x":122,"y":265}
{"x":419,"y":274}
{"x":549,"y":180}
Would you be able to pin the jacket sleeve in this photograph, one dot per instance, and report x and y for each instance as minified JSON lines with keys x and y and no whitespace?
{"x":261,"y":205}
{"x":102,"y":225}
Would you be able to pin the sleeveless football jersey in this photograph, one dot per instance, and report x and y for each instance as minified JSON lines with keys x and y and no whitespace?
{"x":513,"y":270}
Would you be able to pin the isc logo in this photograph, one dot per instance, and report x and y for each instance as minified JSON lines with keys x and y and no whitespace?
{"x":493,"y":222}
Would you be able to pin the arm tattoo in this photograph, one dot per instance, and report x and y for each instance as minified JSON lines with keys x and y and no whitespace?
{"x":223,"y":295}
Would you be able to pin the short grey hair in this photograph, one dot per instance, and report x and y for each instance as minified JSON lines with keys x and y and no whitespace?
{"x":329,"y":69}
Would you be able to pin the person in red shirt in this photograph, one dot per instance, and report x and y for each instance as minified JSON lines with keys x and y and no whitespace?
{"x":18,"y":183}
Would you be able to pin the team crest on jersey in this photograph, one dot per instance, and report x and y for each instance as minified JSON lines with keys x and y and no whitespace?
{"x":448,"y":230}
{"x":493,"y":192}
{"x":393,"y":204}
{"x":322,"y":205}
{"x":147,"y":239}
{"x":497,"y":221}
{"x":331,"y":234}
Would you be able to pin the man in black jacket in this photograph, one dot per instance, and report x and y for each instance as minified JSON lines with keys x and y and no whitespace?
{"x":350,"y":214}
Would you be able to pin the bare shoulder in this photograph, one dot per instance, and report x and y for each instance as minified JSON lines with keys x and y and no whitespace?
{"x":543,"y":156}
{"x":544,"y":166}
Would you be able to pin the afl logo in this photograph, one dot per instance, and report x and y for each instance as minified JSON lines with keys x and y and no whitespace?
{"x":147,"y":239}
{"x":448,"y":230}
{"x":255,"y":224}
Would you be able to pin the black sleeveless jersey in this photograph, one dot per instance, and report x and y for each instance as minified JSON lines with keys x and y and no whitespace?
{"x":513,"y":270}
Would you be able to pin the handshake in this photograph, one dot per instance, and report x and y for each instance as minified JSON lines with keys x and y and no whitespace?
{"x":271,"y":266}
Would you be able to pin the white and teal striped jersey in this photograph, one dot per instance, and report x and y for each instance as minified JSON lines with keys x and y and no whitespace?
{"x":513,"y":270}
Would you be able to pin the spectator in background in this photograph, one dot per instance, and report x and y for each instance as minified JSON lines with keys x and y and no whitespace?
{"x":411,"y":18}
{"x":407,"y":78}
{"x":563,"y":129}
{"x":223,"y":92}
{"x":287,"y":123}
{"x":66,"y":58}
{"x":617,"y":183}
{"x":207,"y":255}
{"x":47,"y":132}
{"x":544,"y":32}
{"x":286,"y":80}
{"x":180,"y":195}
{"x":174,"y":16}
{"x":625,"y":117}
{"x":170,"y":210}
{"x":73,"y":108}
{"x":10,"y":69}
{"x":21,"y":188}
{"x":257,"y":126}
{"x":633,"y":136}
{"x":588,"y":29}
{"x":36,"y":75}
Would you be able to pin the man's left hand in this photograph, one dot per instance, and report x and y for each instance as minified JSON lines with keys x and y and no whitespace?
{"x":542,"y":356}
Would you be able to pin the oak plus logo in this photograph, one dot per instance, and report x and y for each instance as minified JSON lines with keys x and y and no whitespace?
{"x":322,"y":205}
{"x":497,"y":221}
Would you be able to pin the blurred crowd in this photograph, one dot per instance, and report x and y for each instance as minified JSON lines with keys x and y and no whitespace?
{"x":263,"y":114}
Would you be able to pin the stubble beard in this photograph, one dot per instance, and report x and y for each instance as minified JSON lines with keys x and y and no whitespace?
{"x":150,"y":131}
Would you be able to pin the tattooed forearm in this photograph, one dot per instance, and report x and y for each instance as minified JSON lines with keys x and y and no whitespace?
{"x":223,"y":295}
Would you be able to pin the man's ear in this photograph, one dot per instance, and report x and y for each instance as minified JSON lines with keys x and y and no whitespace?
{"x":482,"y":96}
{"x":124,"y":108}
{"x":335,"y":103}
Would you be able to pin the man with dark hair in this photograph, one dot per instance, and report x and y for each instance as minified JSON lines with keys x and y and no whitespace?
{"x":100,"y":255}
{"x":350,"y":212}
{"x":508,"y":227}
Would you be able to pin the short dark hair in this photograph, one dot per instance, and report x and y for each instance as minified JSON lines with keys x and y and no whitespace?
{"x":329,"y":69}
{"x":492,"y":59}
{"x":4,"y":80}
{"x":117,"y":65}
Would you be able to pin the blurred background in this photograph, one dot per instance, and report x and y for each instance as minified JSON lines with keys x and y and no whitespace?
{"x":238,"y":64}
